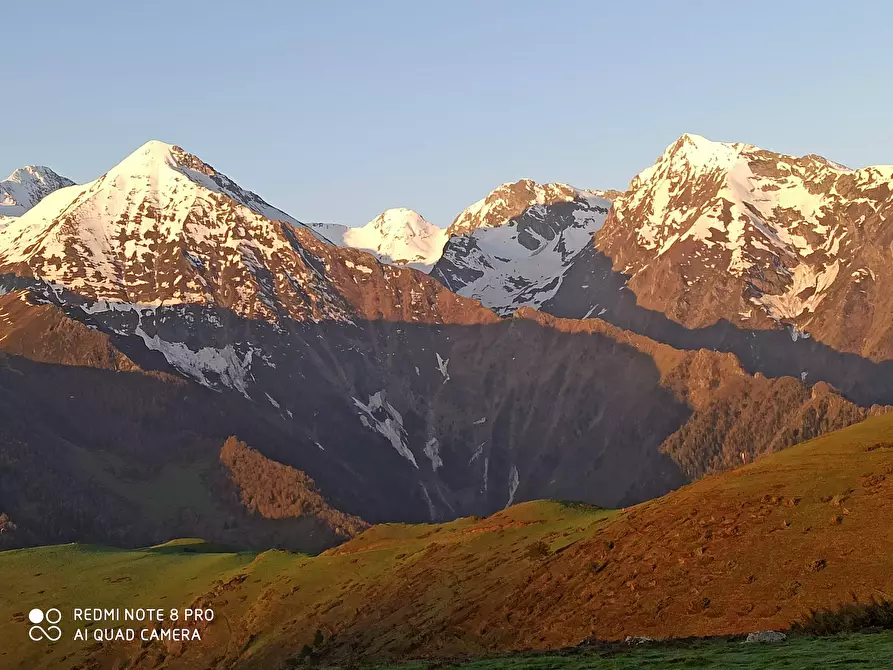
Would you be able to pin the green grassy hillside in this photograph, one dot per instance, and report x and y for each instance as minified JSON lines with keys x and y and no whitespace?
{"x":801,"y":653}
{"x":752,"y":549}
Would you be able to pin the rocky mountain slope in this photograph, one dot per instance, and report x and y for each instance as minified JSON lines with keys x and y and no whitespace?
{"x":397,"y":236}
{"x":777,"y":259}
{"x":730,"y":231}
{"x":512,"y":248}
{"x":25,"y":187}
{"x":399,"y":399}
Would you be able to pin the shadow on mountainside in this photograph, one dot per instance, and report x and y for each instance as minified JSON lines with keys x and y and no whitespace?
{"x":592,"y":285}
{"x":485,"y":415}
{"x":393,"y":420}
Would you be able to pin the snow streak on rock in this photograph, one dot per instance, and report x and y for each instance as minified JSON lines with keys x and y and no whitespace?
{"x":379,"y":415}
{"x":514,"y":481}
{"x":442,"y":364}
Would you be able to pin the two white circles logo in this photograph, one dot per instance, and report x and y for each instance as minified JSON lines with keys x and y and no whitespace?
{"x":52,"y":633}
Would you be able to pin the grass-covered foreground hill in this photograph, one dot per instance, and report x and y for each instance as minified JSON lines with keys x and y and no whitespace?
{"x":799,"y":653}
{"x":753,"y":549}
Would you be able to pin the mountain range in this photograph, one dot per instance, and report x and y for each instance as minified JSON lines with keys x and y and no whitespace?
{"x":553,"y":342}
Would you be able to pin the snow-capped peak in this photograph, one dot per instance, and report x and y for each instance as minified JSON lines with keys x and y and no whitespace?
{"x":779,"y":225}
{"x":513,"y":247}
{"x":398,"y":236}
{"x":27,"y":186}
{"x":159,"y":162}
{"x":164,"y":227}
{"x":698,"y":150}
{"x":399,"y":220}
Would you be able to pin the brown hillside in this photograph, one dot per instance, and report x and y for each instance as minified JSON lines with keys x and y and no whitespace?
{"x":747,"y":550}
{"x":734,"y":413}
{"x":277,"y":491}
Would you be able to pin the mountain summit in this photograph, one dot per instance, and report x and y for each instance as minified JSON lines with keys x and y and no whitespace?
{"x":27,"y":186}
{"x":163,"y":227}
{"x":717,"y":231}
{"x":397,"y":236}
{"x":512,"y":248}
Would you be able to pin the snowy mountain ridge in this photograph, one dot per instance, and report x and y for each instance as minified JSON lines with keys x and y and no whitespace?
{"x":404,"y":399}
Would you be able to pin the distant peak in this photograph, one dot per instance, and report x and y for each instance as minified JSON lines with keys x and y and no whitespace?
{"x":401,"y":218}
{"x":36,"y":172}
{"x":27,"y":186}
{"x":404,"y":212}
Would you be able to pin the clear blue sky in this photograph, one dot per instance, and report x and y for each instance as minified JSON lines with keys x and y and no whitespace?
{"x":335,"y":110}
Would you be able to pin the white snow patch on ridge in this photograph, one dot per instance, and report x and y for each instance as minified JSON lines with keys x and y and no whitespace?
{"x":432,"y":451}
{"x":232,"y":370}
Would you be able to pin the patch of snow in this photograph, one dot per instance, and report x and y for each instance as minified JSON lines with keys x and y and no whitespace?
{"x":514,"y":481}
{"x":432,"y":511}
{"x":432,"y":451}
{"x":442,"y":367}
{"x":486,"y":472}
{"x":224,"y":362}
{"x":380,"y":415}
{"x":806,"y":278}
